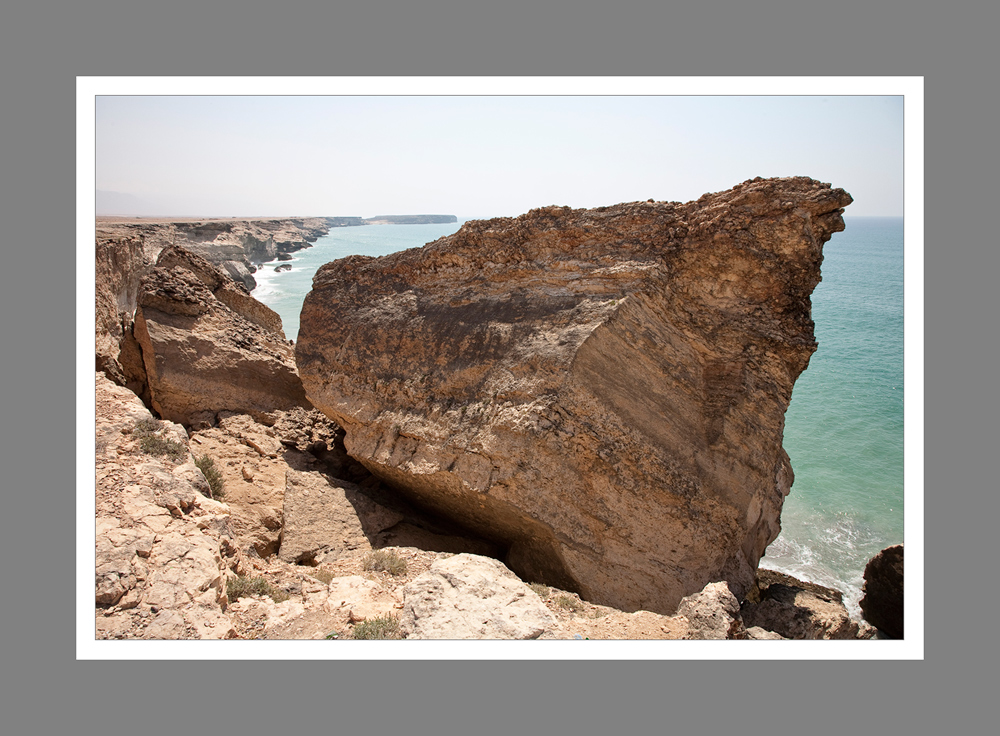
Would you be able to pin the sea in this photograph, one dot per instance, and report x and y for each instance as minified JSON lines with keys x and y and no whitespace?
{"x":843,"y":428}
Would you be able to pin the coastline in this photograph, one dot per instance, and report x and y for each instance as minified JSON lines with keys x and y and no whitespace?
{"x":145,"y":239}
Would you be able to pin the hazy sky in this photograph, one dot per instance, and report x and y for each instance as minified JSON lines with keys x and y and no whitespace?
{"x":481,"y":156}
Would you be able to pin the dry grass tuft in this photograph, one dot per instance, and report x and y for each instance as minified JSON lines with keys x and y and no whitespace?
{"x":380,"y":627}
{"x":386,"y":560}
{"x":243,"y":586}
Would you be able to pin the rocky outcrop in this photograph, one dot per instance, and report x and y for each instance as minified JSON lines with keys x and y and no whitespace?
{"x":208,"y":346}
{"x":160,"y":541}
{"x":233,"y":245}
{"x":471,"y":597}
{"x":602,"y":391}
{"x":322,"y":518}
{"x":252,"y":241}
{"x":167,"y":555}
{"x":712,"y":613}
{"x":120,"y":265}
{"x":127,"y":250}
{"x":882,"y":604}
{"x":796,"y":609}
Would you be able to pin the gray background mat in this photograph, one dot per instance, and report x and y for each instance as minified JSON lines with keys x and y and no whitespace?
{"x":43,"y":46}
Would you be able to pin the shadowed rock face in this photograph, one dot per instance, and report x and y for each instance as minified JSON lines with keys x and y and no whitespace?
{"x":601,"y":391}
{"x":882,"y":604}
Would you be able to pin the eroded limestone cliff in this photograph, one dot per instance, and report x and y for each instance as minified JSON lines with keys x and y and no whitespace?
{"x":127,"y":250}
{"x":602,"y":391}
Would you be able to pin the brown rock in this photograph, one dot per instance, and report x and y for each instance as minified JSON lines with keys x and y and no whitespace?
{"x":798,"y":610}
{"x":121,"y":263}
{"x":207,"y":348}
{"x":321,"y":517}
{"x":759,"y":634}
{"x":601,"y":391}
{"x":158,"y":548}
{"x":127,"y":249}
{"x":882,"y":604}
{"x":255,"y":505}
{"x":224,"y":289}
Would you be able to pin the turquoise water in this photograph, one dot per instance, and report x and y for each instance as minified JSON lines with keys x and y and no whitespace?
{"x":844,"y":427}
{"x":284,"y":292}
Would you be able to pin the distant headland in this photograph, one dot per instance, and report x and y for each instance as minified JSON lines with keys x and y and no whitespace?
{"x":409,"y":219}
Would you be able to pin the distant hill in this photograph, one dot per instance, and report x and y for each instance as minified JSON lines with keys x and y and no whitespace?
{"x":409,"y":219}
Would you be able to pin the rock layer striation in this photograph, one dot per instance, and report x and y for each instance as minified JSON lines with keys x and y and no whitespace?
{"x":127,"y":250}
{"x":600,"y":391}
{"x":208,"y":346}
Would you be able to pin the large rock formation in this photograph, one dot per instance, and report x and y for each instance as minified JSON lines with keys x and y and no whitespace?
{"x":601,"y":391}
{"x":235,"y":245}
{"x":208,"y":346}
{"x":127,"y":250}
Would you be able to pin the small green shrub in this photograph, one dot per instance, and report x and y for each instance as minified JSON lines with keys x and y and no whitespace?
{"x":146,"y":425}
{"x":385,"y":560}
{"x":146,"y":431}
{"x":215,"y":482}
{"x":541,"y":590}
{"x":243,"y":586}
{"x":154,"y":444}
{"x":380,"y":627}
{"x":568,"y":602}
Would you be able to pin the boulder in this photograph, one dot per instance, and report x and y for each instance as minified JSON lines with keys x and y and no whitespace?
{"x":228,"y":291}
{"x":472,"y":597}
{"x":882,"y":604}
{"x":797,"y":610}
{"x":712,"y":613}
{"x":328,"y":519}
{"x":601,"y":391}
{"x":358,"y":599}
{"x":241,"y":274}
{"x":208,"y":346}
{"x":758,"y":634}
